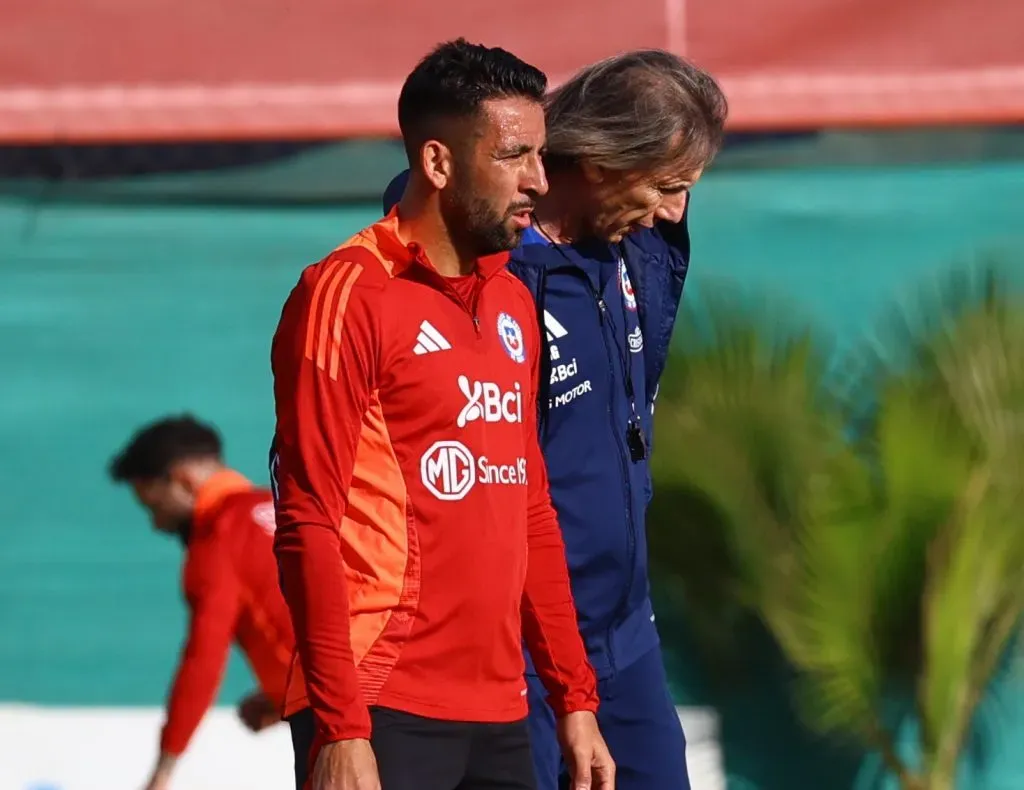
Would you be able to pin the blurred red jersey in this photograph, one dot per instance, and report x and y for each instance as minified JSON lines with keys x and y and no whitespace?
{"x":231,"y":586}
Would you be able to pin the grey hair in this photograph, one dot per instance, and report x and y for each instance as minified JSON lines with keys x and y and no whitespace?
{"x":638,"y":111}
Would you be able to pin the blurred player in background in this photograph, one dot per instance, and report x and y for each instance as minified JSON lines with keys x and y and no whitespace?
{"x":605,"y":261}
{"x":230,"y":576}
{"x":416,"y":537}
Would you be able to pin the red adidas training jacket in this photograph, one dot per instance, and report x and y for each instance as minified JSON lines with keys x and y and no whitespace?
{"x":230,"y":582}
{"x":416,"y":538}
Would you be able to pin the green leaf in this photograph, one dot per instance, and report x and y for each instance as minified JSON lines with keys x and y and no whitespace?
{"x":886,"y":558}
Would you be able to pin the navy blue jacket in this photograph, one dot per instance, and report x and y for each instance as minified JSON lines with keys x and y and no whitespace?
{"x":608,"y":314}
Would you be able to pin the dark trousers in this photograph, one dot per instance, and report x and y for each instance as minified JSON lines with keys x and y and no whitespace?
{"x":638,"y":721}
{"x":416,"y":753}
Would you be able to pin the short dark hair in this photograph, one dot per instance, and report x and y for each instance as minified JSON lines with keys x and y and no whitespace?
{"x":156,"y":447}
{"x":453,"y":80}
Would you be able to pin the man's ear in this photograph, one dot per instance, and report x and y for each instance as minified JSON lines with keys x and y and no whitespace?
{"x":594,"y":174}
{"x":185,"y":476}
{"x":437,"y":163}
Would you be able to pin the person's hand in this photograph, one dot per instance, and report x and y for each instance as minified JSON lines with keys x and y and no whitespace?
{"x":257,"y":712}
{"x":346,"y":765}
{"x":590,"y":763}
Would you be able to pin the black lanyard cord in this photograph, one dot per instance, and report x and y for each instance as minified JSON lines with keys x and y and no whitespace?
{"x":625,"y":361}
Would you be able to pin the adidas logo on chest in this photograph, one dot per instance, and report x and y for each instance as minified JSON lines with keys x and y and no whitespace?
{"x":430,"y":340}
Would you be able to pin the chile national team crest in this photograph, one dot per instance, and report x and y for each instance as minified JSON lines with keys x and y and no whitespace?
{"x":511,"y":336}
{"x":627,"y":287}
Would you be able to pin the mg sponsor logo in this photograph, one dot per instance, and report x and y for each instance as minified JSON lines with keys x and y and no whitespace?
{"x":449,"y":471}
{"x":486,"y":401}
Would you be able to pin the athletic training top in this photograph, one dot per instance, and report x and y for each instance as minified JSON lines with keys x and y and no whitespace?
{"x":231,"y":586}
{"x":415,"y":534}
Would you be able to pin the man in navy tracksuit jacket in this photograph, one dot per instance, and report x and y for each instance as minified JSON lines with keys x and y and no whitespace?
{"x":608,"y":313}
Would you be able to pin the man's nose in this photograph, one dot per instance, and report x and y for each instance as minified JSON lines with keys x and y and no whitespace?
{"x":535,"y":180}
{"x":673,"y":207}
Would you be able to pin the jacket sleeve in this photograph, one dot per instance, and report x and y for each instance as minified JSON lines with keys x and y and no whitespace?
{"x":324,"y":361}
{"x":213,"y":595}
{"x":549,"y":614}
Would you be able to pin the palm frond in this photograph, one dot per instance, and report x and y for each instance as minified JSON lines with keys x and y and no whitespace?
{"x":737,"y":439}
{"x":908,"y":337}
{"x":889,"y":556}
{"x":972,"y":605}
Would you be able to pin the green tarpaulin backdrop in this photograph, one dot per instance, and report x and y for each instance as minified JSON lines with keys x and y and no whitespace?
{"x":111,"y":314}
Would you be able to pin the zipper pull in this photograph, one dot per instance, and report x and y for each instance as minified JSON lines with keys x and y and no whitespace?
{"x":602,"y":307}
{"x":476,"y":324}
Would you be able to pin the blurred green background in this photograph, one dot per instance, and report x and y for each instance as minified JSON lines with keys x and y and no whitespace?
{"x":121,"y":300}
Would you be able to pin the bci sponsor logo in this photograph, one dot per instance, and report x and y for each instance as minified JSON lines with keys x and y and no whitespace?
{"x":564,"y":372}
{"x":486,"y":401}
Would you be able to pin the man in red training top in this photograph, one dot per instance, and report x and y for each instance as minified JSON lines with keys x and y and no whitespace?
{"x":230,"y":575}
{"x":416,"y":539}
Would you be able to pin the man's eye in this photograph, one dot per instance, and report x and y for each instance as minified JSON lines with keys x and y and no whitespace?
{"x":676,"y":189}
{"x":515,"y":153}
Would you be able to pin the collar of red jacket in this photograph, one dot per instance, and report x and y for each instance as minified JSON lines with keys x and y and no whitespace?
{"x":217,"y":487}
{"x":404,"y":254}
